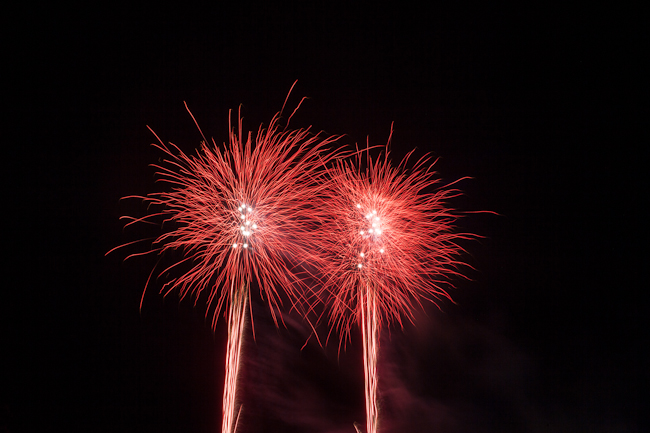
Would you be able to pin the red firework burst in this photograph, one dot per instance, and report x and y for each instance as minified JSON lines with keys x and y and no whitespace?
{"x":390,"y":228}
{"x":237,"y":215}
{"x":240,"y":214}
{"x":387,"y":241}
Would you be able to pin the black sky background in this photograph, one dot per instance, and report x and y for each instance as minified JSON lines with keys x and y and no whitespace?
{"x":540,"y":106}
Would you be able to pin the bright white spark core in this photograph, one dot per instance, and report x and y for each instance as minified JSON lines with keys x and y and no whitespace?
{"x":248,"y":224}
{"x":372,"y":232}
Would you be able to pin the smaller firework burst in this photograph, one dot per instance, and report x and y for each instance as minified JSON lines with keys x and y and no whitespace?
{"x":387,"y":241}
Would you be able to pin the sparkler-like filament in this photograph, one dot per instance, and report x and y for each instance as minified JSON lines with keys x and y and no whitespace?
{"x":370,"y":343}
{"x":236,"y":320}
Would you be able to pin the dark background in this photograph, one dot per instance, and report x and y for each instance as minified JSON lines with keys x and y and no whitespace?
{"x":539,"y":105}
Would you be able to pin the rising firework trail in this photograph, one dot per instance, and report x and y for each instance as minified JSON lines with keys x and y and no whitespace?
{"x":387,"y":241}
{"x":237,"y":215}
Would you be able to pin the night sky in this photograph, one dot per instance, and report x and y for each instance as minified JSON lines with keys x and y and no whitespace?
{"x":539,"y":106}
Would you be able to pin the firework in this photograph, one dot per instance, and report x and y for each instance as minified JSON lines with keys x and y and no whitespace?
{"x":238,"y":215}
{"x":387,"y":242}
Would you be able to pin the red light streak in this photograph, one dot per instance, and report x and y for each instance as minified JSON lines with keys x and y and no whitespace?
{"x":370,"y":348}
{"x":236,"y":320}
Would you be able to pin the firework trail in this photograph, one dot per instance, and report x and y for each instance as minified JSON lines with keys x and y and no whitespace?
{"x":237,"y":215}
{"x":386,"y":242}
{"x":236,"y":320}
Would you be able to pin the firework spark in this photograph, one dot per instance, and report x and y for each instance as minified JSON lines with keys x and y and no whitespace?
{"x":387,"y":241}
{"x":237,"y":215}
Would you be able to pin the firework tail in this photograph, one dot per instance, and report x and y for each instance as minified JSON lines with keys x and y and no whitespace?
{"x":370,"y":348}
{"x":236,"y":321}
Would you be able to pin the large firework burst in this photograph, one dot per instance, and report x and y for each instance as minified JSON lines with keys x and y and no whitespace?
{"x":387,"y":241}
{"x":238,"y":215}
